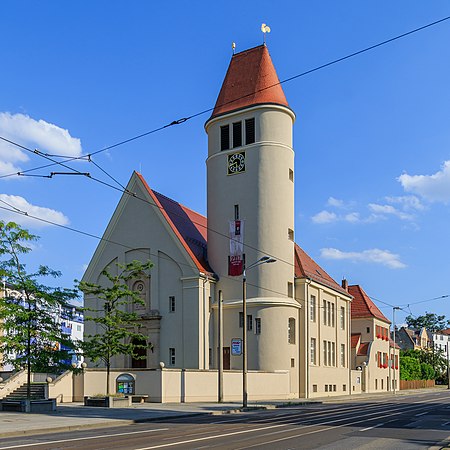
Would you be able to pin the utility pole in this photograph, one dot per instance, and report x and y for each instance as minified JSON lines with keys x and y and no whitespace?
{"x":393,"y":362}
{"x":448,"y":366}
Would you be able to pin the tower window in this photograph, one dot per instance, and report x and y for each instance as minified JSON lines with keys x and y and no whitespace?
{"x":290,"y":289}
{"x":290,"y":234}
{"x":225,"y":137}
{"x":291,"y":174}
{"x":249,"y":131}
{"x":236,"y":212}
{"x":237,"y":134}
{"x":291,"y":330}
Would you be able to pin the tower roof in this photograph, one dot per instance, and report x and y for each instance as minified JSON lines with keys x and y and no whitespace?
{"x":363,"y":306}
{"x":251,"y":79}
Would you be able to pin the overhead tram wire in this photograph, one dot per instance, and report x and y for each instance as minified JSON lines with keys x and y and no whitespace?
{"x":179,"y":121}
{"x":294,"y":77}
{"x":15,"y":210}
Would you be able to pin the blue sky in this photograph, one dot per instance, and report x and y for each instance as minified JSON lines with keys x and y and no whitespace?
{"x":372,"y":135}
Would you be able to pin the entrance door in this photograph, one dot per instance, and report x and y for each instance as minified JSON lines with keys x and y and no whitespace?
{"x":226,"y":358}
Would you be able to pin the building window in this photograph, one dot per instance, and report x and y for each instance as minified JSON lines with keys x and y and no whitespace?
{"x":343,"y":355}
{"x":368,"y":330}
{"x":313,"y":351}
{"x":344,"y":387}
{"x":172,"y":304}
{"x":329,"y":313}
{"x":325,"y":354}
{"x":290,"y":234}
{"x":236,"y":212}
{"x":241,"y":319}
{"x":225,"y":137}
{"x":332,"y":315}
{"x":249,"y":131}
{"x":171,"y":356}
{"x":291,"y":330}
{"x":290,"y":289}
{"x":326,"y":388}
{"x":237,"y":134}
{"x":330,"y":360}
{"x":249,"y":322}
{"x":314,"y":387}
{"x":324,"y":312}
{"x":292,"y":362}
{"x":78,"y":327}
{"x":312,"y":308}
{"x":291,"y":174}
{"x":257,"y":325}
{"x":342,"y":318}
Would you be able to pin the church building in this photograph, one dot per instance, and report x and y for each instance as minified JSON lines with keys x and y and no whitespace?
{"x":297,"y":318}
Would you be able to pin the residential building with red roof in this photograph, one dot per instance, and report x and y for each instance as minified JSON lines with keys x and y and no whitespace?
{"x":373,"y":352}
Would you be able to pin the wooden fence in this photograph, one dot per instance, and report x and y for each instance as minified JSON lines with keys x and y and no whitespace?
{"x":416,"y":384}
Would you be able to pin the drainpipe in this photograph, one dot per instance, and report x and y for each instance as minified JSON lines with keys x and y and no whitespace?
{"x":308,"y":343}
{"x":220,"y":356}
{"x":205,"y":350}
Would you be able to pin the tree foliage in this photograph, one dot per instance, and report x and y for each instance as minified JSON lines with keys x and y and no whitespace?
{"x":30,"y":335}
{"x":430,"y":321}
{"x":432,"y":364}
{"x":410,"y":368}
{"x":116,"y":321}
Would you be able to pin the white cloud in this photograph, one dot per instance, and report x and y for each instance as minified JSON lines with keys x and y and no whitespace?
{"x":325,"y":217}
{"x":47,"y":137}
{"x":335,"y":202}
{"x":15,"y":201}
{"x":435,"y":188}
{"x":352,"y":217}
{"x":374,"y":255}
{"x":389,"y":210}
{"x":408,"y":202}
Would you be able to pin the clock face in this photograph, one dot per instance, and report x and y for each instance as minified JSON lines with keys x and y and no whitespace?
{"x":236,"y":163}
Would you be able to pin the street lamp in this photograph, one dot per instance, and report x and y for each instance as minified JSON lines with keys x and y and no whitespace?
{"x":263,"y":260}
{"x":395,"y":308}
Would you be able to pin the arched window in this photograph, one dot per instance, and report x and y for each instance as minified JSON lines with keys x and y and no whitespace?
{"x":291,"y":330}
{"x":125,"y":384}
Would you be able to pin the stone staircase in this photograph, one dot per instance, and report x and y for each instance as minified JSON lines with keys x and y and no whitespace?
{"x":37,"y":392}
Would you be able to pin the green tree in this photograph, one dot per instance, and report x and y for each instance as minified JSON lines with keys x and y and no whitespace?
{"x":430,"y":321}
{"x":30,"y":335}
{"x":427,"y":372}
{"x":117,"y":323}
{"x":410,"y":368}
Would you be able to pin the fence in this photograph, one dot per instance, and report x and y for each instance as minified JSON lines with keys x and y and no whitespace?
{"x":416,"y":384}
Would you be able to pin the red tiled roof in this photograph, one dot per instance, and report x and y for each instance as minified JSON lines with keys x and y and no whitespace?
{"x":306,"y":267}
{"x":189,"y":226}
{"x":251,"y":79}
{"x":446,"y":331}
{"x":363,"y":306}
{"x":355,"y":340}
{"x":363,"y":349}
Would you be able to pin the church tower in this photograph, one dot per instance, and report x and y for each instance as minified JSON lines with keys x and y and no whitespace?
{"x":250,"y":178}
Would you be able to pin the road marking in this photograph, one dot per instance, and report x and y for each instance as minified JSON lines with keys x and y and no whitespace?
{"x":421,"y":414}
{"x":371,"y":428}
{"x":444,"y":424}
{"x":83,"y":438}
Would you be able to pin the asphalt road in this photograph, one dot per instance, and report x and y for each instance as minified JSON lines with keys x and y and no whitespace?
{"x":409,"y":422}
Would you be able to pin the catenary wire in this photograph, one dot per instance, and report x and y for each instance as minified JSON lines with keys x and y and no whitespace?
{"x":294,"y":77}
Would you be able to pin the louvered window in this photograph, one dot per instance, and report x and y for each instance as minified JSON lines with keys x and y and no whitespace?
{"x":237,"y":134}
{"x":249,"y":131}
{"x":225,"y":137}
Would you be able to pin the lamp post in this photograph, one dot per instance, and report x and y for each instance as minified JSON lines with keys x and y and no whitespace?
{"x":263,"y":260}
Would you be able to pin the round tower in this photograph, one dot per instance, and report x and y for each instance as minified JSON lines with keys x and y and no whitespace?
{"x":250,"y":170}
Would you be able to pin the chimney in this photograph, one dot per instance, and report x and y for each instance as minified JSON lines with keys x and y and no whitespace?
{"x":345,"y":284}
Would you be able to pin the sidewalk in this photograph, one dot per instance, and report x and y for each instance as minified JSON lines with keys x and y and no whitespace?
{"x":73,"y":416}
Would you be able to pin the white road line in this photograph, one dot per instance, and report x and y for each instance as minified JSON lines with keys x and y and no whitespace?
{"x":371,"y":428}
{"x":83,"y":438}
{"x":421,"y":414}
{"x":254,"y":430}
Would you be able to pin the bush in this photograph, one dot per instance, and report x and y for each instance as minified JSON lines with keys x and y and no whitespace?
{"x":427,"y":371}
{"x":410,"y":368}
